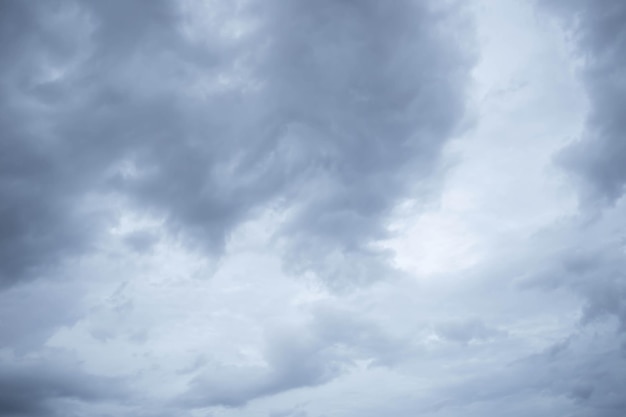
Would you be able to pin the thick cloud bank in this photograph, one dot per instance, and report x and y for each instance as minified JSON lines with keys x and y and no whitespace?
{"x":598,"y":30}
{"x":298,"y":208}
{"x":331,"y":110}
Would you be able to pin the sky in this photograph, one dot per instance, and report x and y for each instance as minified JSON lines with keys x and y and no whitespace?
{"x":329,"y":208}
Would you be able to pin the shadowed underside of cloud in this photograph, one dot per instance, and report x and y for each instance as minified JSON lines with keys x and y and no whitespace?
{"x":593,"y":258}
{"x":295,"y":358}
{"x":588,"y":258}
{"x":582,"y":375}
{"x":63,"y":123}
{"x":370,"y":92}
{"x":330,"y":109}
{"x":598,"y":29}
{"x":38,"y":388}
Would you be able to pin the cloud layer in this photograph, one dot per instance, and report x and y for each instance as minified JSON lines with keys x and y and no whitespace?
{"x":327,"y":110}
{"x":293,"y":208}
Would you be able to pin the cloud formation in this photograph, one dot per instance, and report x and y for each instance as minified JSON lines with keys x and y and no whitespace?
{"x":309,"y":355}
{"x":311,"y":208}
{"x":38,"y":388}
{"x":335,"y":106}
{"x":598,"y":30}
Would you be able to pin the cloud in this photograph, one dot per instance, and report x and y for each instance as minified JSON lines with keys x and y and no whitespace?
{"x":52,"y":151}
{"x":372,"y":93}
{"x":29,"y":315}
{"x":289,"y":413}
{"x":141,"y":241}
{"x":139,"y":139}
{"x":38,"y":388}
{"x":80,"y":96}
{"x":293,"y":360}
{"x":331,"y":110}
{"x":588,"y":258}
{"x":467,"y":331}
{"x":306,"y":355}
{"x":598,"y":29}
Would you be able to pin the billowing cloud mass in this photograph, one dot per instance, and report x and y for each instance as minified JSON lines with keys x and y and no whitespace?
{"x":326,"y":110}
{"x":597,"y":28}
{"x":293,"y":208}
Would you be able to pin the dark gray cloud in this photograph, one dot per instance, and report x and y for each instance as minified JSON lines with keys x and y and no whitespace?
{"x":141,"y":240}
{"x":598,"y":29}
{"x":58,"y":133}
{"x":40,"y":387}
{"x":384,"y":90}
{"x":29,"y":315}
{"x":80,"y":93}
{"x":331,"y":110}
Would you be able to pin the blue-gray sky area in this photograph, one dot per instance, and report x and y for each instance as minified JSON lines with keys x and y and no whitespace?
{"x":329,"y":208}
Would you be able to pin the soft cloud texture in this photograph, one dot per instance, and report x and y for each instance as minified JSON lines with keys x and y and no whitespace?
{"x":334,"y":106}
{"x":597,"y":28}
{"x":288,"y":208}
{"x":40,"y":387}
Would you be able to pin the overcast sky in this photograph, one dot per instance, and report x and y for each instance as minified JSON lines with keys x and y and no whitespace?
{"x":313,"y":208}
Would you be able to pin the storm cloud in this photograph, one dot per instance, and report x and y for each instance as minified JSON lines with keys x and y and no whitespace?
{"x":332,"y":105}
{"x":312,"y":208}
{"x":38,"y":388}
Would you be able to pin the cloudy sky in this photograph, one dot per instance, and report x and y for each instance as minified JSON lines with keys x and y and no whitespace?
{"x":313,"y":208}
